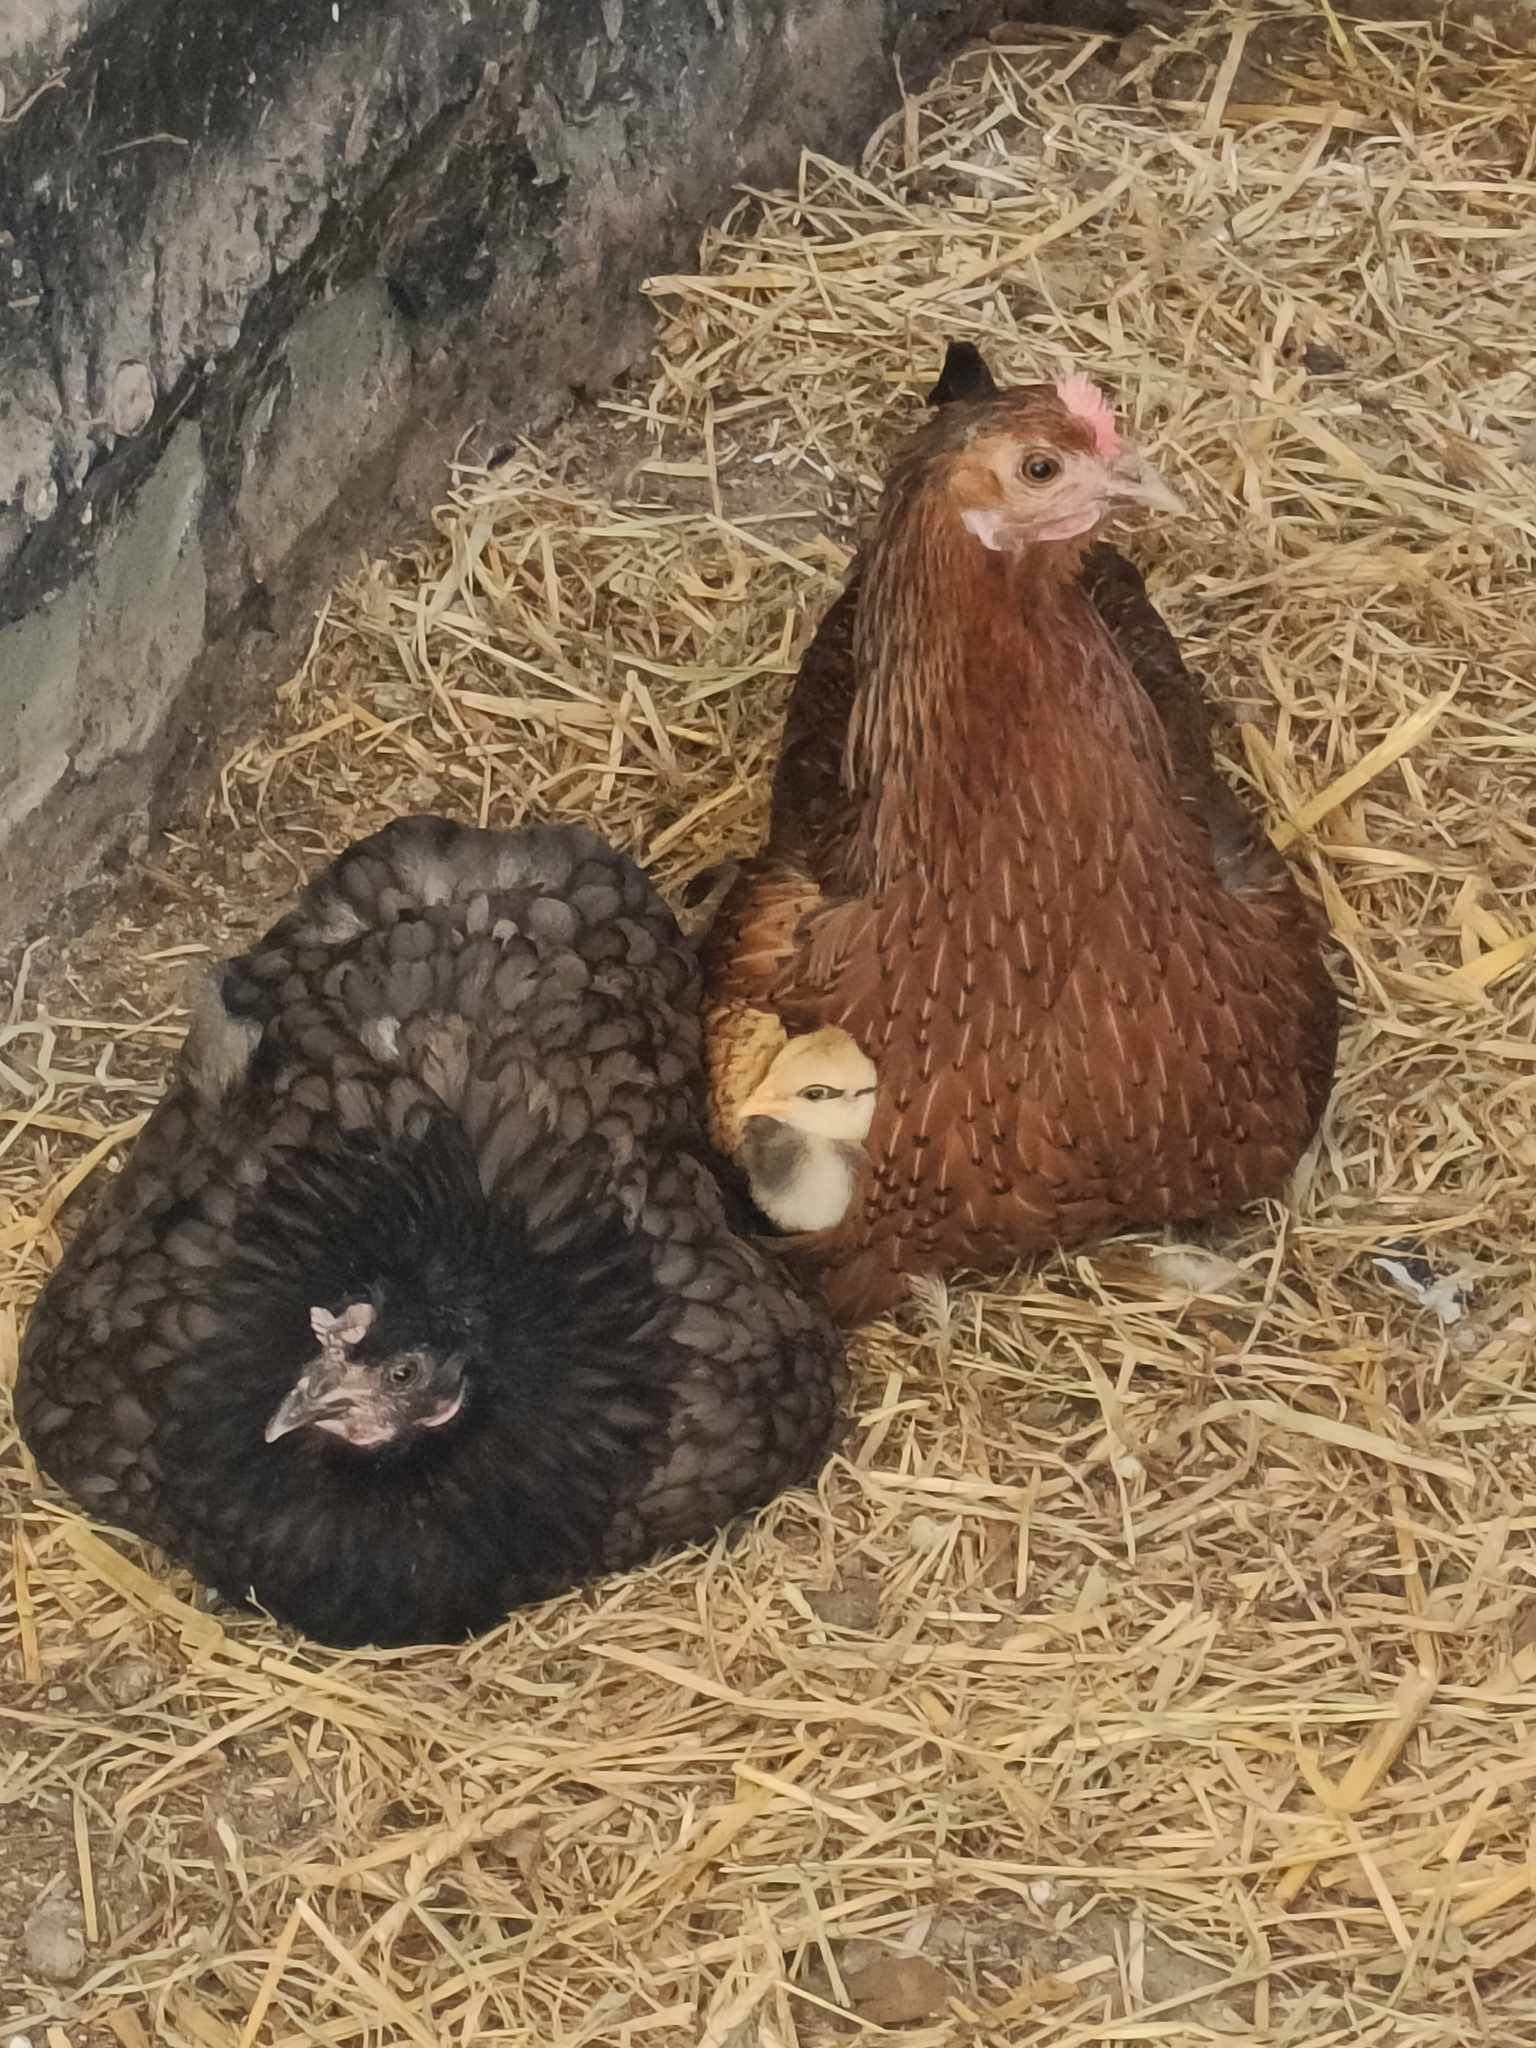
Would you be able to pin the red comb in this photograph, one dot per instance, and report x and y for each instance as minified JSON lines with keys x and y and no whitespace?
{"x":1083,"y":398}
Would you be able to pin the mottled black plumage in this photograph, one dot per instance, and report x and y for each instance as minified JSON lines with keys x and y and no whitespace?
{"x":457,"y":1088}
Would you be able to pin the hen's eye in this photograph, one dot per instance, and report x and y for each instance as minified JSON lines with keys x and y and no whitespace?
{"x":817,"y":1094}
{"x":1041,"y":469}
{"x":403,"y":1373}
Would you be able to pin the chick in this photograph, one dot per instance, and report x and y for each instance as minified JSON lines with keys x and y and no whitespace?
{"x":803,"y":1129}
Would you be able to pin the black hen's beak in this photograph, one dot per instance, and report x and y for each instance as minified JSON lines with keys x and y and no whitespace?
{"x":344,"y":1399}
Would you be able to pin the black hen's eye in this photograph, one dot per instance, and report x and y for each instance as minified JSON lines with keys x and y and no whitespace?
{"x":1041,"y":469}
{"x":403,"y":1373}
{"x":817,"y":1094}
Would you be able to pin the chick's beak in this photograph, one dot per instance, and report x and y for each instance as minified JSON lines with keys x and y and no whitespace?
{"x":1133,"y":481}
{"x":762,"y":1102}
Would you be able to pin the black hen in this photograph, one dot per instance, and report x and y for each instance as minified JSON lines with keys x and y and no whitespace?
{"x":416,"y":1299}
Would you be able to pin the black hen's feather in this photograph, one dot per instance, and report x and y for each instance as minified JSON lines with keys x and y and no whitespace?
{"x":460,"y":1082}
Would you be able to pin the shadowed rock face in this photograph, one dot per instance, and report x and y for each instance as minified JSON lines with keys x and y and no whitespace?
{"x":263,"y":265}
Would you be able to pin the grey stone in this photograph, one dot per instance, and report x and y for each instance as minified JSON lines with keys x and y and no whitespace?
{"x":30,"y":416}
{"x":34,"y":36}
{"x":339,"y":399}
{"x":94,"y":673}
{"x":53,"y":1941}
{"x":39,"y":668}
{"x":265,"y":267}
{"x":146,"y":611}
{"x":131,"y":401}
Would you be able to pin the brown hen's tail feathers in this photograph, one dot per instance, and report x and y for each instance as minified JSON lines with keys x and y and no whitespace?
{"x":964,"y":375}
{"x":1239,"y":847}
{"x":809,"y":801}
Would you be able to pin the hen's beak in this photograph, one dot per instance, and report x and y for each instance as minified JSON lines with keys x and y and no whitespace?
{"x":1133,"y":481}
{"x":340,"y":1395}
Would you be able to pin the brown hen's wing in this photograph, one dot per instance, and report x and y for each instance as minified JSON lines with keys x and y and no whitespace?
{"x":1240,"y":848}
{"x":1118,"y":592}
{"x":744,"y":950}
{"x":775,"y":945}
{"x":811,"y":810}
{"x":758,"y":931}
{"x":742,"y":1045}
{"x":1245,"y":859}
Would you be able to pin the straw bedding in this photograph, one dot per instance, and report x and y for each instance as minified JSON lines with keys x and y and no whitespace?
{"x":1159,"y":1661}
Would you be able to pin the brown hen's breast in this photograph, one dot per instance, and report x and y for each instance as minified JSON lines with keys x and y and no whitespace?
{"x":1077,"y":1023}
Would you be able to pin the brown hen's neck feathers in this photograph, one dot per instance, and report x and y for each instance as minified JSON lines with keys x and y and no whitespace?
{"x":979,"y":672}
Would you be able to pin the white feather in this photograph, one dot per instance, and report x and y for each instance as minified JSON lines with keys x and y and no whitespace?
{"x":817,"y":1197}
{"x":381,"y":1035}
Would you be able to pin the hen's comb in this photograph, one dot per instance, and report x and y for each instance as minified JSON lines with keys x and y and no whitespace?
{"x":1085,"y":401}
{"x":338,"y":1333}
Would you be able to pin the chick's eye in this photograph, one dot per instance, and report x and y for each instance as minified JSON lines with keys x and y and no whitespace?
{"x":817,"y":1094}
{"x":1041,"y":469}
{"x":403,"y":1373}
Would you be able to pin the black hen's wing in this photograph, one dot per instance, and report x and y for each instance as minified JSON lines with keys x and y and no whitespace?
{"x":137,"y":1295}
{"x":759,"y":1369}
{"x":533,"y":973}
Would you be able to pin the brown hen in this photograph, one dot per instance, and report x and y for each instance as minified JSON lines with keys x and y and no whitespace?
{"x":1002,"y":858}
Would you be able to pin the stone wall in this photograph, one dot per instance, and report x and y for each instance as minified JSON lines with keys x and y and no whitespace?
{"x":262,"y":267}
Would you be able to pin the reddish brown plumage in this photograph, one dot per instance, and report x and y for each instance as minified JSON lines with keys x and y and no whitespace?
{"x":1001,"y":856}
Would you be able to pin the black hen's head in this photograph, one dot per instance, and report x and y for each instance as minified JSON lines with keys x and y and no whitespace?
{"x":362,"y":1296}
{"x":392,"y":1305}
{"x":465,"y":1421}
{"x":376,"y":1382}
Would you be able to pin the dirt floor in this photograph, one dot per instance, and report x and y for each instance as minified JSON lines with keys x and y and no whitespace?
{"x":1158,"y":1660}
